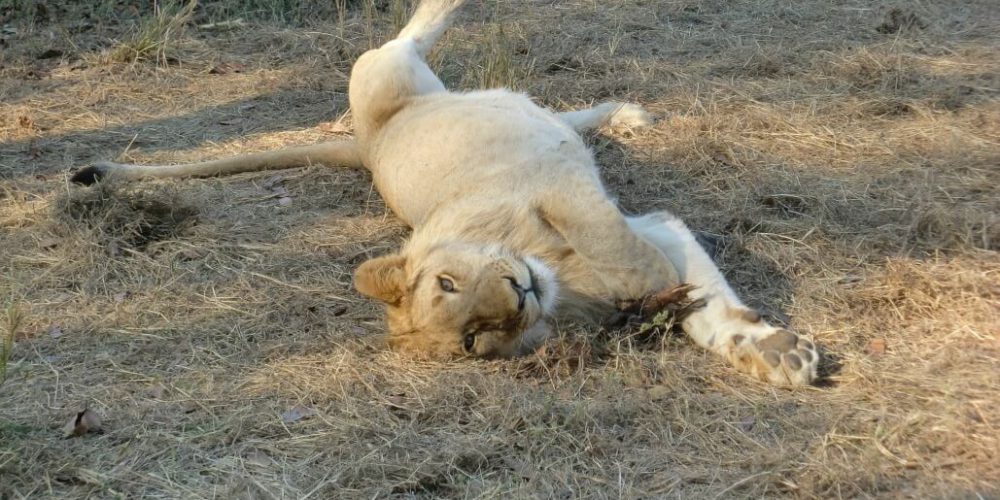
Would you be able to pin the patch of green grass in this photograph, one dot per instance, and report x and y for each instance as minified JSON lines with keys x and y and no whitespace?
{"x":11,"y":429}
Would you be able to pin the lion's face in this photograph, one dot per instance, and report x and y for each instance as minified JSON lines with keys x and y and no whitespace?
{"x":460,"y":299}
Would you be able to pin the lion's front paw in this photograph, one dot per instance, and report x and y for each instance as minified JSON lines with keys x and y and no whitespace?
{"x":631,"y":116}
{"x":779,"y":356}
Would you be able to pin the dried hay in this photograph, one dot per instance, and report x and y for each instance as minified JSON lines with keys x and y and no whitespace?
{"x":843,"y":157}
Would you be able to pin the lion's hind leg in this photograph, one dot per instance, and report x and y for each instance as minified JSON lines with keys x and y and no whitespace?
{"x":428,"y":23}
{"x":383,"y":80}
{"x":724,"y":325}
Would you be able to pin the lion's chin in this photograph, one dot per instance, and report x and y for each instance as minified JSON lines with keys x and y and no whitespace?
{"x":533,"y":337}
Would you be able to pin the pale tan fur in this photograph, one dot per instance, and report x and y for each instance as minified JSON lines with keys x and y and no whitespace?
{"x":511,"y":224}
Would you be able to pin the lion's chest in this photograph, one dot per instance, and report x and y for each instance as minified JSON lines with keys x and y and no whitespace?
{"x":455,"y":146}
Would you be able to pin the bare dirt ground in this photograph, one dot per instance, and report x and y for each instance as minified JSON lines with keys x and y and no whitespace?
{"x":845,"y":154}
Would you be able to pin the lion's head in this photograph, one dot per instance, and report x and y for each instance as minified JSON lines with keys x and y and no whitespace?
{"x":460,"y":299}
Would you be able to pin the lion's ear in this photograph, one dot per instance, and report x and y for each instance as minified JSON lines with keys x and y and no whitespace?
{"x":382,"y":278}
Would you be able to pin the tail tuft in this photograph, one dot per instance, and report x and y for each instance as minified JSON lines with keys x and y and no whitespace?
{"x":88,"y":175}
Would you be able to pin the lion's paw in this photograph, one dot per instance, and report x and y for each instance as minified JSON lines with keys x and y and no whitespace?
{"x":631,"y":116}
{"x":777,"y":355}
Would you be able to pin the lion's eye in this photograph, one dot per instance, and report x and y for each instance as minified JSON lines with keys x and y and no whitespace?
{"x":470,"y":342}
{"x":446,"y":284}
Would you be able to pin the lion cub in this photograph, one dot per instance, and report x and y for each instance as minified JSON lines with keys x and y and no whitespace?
{"x":512,"y":226}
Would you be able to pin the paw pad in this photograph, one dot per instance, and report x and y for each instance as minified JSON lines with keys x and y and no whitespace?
{"x":780,"y":356}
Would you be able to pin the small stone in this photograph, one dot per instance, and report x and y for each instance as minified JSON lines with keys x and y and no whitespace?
{"x":297,"y":413}
{"x":259,"y":458}
{"x":272,"y":181}
{"x":156,"y":391}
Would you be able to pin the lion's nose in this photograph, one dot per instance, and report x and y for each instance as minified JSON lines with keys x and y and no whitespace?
{"x":521,"y":292}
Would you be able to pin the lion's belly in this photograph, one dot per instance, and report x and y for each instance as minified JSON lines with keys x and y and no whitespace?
{"x":445,"y":147}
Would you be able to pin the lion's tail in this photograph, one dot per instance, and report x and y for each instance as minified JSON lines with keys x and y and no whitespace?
{"x":429,"y":22}
{"x":334,"y":153}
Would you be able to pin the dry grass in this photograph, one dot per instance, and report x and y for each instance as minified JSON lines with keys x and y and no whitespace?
{"x":156,"y":38}
{"x":847,"y":156}
{"x":11,"y":325}
{"x":499,"y":58}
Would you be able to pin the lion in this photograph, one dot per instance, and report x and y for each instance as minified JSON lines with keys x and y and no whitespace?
{"x":512,"y":228}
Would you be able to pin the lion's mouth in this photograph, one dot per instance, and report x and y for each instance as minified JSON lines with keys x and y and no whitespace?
{"x":533,"y":284}
{"x":541,"y":283}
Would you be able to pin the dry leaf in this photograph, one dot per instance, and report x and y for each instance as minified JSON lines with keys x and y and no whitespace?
{"x":297,"y":413}
{"x":121,"y":296}
{"x":876,"y":347}
{"x":397,"y":404}
{"x":84,"y":422}
{"x":333,"y":128}
{"x":673,"y":299}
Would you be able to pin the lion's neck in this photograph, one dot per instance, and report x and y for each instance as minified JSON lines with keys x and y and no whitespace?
{"x":487,"y":221}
